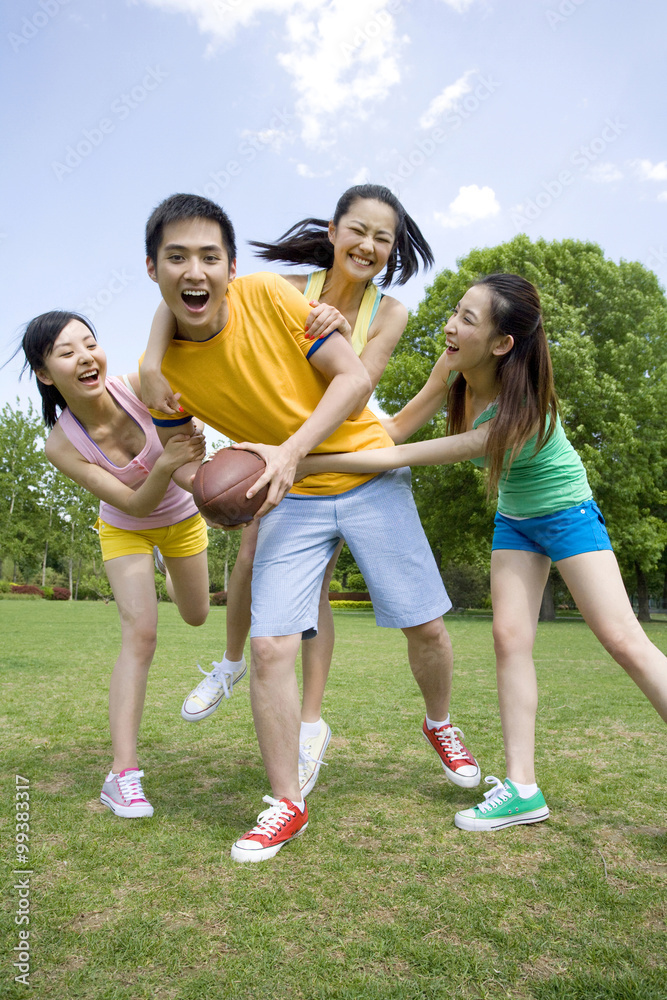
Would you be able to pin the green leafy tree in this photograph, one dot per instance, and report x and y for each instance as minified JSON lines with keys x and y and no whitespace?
{"x":607,"y":327}
{"x":23,"y":467}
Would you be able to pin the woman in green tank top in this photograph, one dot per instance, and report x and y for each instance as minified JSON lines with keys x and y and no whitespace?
{"x":495,"y":379}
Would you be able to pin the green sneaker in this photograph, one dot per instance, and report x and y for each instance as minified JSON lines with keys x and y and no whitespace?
{"x":503,"y":806}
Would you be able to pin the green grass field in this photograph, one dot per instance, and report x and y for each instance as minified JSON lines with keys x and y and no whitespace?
{"x":383,"y":897}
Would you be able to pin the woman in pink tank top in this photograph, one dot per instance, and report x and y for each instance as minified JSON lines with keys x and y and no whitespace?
{"x":105,"y":441}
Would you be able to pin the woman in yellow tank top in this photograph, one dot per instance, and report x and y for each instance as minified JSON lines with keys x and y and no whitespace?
{"x":370,"y":233}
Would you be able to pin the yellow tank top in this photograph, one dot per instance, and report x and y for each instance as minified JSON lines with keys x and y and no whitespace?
{"x":367,"y":309}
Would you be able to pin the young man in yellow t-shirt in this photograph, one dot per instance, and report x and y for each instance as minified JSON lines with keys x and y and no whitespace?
{"x":242,"y":363}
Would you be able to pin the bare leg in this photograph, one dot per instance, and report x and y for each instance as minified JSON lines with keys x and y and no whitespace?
{"x":274,"y":695}
{"x":187,"y":580}
{"x":430,"y":656}
{"x":316,"y":653}
{"x":594,"y":581}
{"x":133,"y":585}
{"x":517,"y":583}
{"x":238,"y":594}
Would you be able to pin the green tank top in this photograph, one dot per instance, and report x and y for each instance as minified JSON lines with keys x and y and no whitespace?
{"x":367,"y":309}
{"x":544,"y":483}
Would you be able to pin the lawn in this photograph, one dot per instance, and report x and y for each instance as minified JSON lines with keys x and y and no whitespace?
{"x":383,"y":897}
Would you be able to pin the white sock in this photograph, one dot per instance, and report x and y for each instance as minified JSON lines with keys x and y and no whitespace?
{"x":525,"y":791}
{"x":309,"y":729}
{"x":300,"y":805}
{"x":430,"y":724}
{"x":232,"y":663}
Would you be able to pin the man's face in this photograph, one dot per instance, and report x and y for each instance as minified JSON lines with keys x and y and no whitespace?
{"x":193,"y":272}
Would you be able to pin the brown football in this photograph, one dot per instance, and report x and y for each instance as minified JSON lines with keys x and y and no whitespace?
{"x":221,"y":483}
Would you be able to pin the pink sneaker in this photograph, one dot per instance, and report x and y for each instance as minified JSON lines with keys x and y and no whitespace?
{"x":123,"y":794}
{"x":459,"y":764}
{"x":276,"y":826}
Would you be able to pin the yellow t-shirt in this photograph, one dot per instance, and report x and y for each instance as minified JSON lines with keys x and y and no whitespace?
{"x":252,"y":382}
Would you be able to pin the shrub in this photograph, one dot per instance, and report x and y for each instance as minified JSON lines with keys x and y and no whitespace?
{"x":218,"y":599}
{"x":5,"y":587}
{"x":61,"y":594}
{"x":467,"y":586}
{"x":335,"y":587}
{"x":363,"y":605}
{"x":355,"y":581}
{"x":27,"y":588}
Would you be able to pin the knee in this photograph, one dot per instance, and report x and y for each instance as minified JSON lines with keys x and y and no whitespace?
{"x":430,"y":633}
{"x":195,"y":616}
{"x":141,"y":637}
{"x":510,"y":638}
{"x":627,"y":646}
{"x":265,"y":653}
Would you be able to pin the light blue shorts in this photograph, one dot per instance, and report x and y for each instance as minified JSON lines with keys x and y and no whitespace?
{"x":380,"y":524}
{"x":559,"y":536}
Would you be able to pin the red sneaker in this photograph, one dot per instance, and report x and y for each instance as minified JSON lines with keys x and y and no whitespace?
{"x":459,"y":764}
{"x":276,"y":826}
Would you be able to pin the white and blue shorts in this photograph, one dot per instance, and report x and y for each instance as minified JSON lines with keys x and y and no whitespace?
{"x":380,"y":523}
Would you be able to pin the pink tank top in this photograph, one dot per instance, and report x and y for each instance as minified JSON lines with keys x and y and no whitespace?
{"x":175,"y":506}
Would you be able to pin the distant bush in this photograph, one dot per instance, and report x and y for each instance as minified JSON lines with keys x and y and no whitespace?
{"x":61,"y":594}
{"x":335,"y":587}
{"x":363,"y":605}
{"x":467,"y":586}
{"x":26,"y":588}
{"x":355,"y":581}
{"x":5,"y":587}
{"x":352,"y":595}
{"x":219,"y":599}
{"x":21,"y":597}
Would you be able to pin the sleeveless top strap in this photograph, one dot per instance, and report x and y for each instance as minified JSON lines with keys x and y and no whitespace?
{"x":367,"y":310}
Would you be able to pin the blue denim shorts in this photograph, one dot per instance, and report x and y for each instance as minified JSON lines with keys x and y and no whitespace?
{"x":559,"y":536}
{"x":380,"y":523}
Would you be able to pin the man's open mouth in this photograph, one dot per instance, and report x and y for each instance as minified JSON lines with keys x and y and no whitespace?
{"x":195,"y":299}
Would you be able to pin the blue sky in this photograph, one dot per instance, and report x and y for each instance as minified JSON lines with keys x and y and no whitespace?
{"x":486,"y":117}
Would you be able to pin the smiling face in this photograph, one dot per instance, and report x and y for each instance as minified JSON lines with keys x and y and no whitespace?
{"x":193,"y":272}
{"x":76,"y":366}
{"x":363,"y":239}
{"x":472,"y":342}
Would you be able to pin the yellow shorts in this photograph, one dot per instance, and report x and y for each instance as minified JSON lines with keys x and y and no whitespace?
{"x":187,"y":538}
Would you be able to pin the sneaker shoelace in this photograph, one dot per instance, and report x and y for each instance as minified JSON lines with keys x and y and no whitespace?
{"x":450,"y":743}
{"x":130,"y":786}
{"x":220,"y":677}
{"x":306,"y":758}
{"x":495,"y":795}
{"x":272,"y":820}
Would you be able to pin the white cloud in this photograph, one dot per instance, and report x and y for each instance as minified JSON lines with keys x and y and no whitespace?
{"x":604,"y":173}
{"x":662,"y":196}
{"x":647,"y":171}
{"x":447,"y":99}
{"x":471,"y":204}
{"x":342,"y":55}
{"x":459,"y":5}
{"x":303,"y":170}
{"x":362,"y":176}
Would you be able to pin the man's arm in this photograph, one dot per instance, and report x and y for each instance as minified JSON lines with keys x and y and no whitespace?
{"x":349,"y":384}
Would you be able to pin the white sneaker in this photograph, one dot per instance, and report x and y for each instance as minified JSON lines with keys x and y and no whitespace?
{"x":217,"y":684}
{"x":311,"y":753}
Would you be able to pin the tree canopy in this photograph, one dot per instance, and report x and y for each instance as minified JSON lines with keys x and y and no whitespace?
{"x":607,"y":327}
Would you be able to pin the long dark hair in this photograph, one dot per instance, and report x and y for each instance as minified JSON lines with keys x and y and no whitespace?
{"x":527,"y":395}
{"x":307,"y":242}
{"x":37,"y":343}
